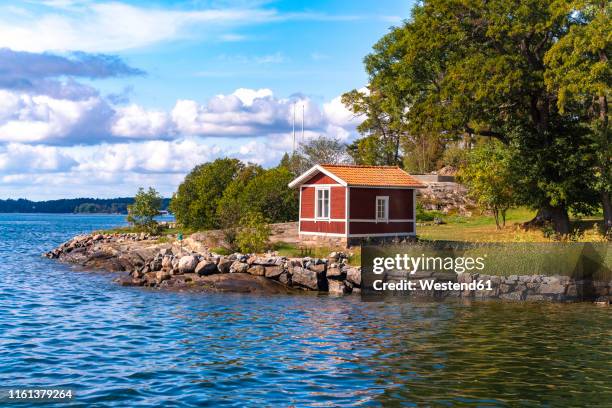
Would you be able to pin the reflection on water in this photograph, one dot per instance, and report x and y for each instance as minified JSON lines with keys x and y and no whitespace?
{"x":128,"y":346}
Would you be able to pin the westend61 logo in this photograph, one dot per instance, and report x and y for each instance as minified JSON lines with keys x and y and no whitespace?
{"x":391,"y":268}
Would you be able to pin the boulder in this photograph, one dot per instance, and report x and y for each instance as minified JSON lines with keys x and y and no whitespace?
{"x":308,"y":279}
{"x":187,"y":264}
{"x":336,"y":273}
{"x":273,"y":272}
{"x":257,"y":270}
{"x":336,"y":287}
{"x":284,"y":278}
{"x":206,"y":267}
{"x":353,"y":275}
{"x":162,"y":276}
{"x":320,"y":267}
{"x":224,"y":265}
{"x":167,"y":262}
{"x":239,"y":267}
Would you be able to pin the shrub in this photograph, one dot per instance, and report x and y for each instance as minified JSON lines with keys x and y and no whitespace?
{"x":253,"y":233}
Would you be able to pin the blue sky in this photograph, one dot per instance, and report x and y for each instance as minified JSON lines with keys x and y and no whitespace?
{"x":100,"y":97}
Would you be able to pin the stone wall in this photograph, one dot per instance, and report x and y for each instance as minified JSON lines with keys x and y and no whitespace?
{"x":189,"y":265}
{"x":513,"y":287}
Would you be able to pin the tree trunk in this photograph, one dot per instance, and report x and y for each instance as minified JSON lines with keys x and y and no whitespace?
{"x":607,"y":211}
{"x":556,"y":215}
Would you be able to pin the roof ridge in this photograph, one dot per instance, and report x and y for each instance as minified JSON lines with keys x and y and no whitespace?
{"x":360,"y":166}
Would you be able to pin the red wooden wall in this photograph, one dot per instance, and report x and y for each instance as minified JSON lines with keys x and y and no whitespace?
{"x":363,"y":203}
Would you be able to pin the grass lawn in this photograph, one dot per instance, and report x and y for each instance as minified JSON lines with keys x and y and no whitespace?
{"x":481,"y":228}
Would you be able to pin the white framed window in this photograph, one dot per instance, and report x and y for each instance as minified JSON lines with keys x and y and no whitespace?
{"x":382,"y":208}
{"x":322,"y":203}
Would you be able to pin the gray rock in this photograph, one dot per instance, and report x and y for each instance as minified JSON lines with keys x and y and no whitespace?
{"x":162,"y":276}
{"x":336,"y":273}
{"x":336,"y":287}
{"x":353,"y":275}
{"x":167,"y":261}
{"x":239,"y":267}
{"x":187,"y":264}
{"x":306,"y":278}
{"x":517,"y":295}
{"x":552,"y":288}
{"x":257,"y":270}
{"x":224,"y":265}
{"x":285,"y":278}
{"x":273,"y":272}
{"x":206,"y":267}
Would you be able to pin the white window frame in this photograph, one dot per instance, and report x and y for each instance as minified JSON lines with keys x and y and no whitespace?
{"x":317,"y":215}
{"x":386,"y":200}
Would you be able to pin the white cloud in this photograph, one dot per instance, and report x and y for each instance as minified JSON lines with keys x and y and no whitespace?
{"x":47,"y":154}
{"x":41,"y":118}
{"x":23,"y":158}
{"x":113,"y":26}
{"x":136,"y":122}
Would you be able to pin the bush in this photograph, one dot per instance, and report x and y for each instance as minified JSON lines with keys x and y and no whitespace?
{"x":253,"y":233}
{"x":424,"y":215}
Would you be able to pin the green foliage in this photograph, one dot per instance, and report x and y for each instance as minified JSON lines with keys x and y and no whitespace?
{"x":219,"y":194}
{"x":295,"y":163}
{"x":195,"y":203}
{"x":490,"y":178}
{"x":423,"y":215}
{"x":454,"y":156}
{"x":478,"y":69}
{"x":422,"y":152}
{"x":146,"y":206}
{"x":253,"y":234}
{"x":324,"y":150}
{"x":382,"y":127}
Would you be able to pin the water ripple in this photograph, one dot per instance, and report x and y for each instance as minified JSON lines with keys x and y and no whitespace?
{"x":132,"y":347}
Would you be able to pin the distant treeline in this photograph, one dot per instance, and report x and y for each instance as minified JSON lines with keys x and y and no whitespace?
{"x":72,"y":205}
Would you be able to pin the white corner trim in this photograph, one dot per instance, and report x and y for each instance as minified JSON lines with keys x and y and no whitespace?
{"x":347,"y":209}
{"x":311,"y":172}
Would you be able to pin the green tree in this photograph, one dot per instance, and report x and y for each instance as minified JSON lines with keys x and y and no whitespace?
{"x":195,"y":203}
{"x":468,"y":68}
{"x":324,"y":150}
{"x":230,"y":207}
{"x":579,"y":72}
{"x":254,"y":233}
{"x":146,"y":206}
{"x":382,"y":127}
{"x":490,"y":177}
{"x":295,"y":163}
{"x":269,"y":194}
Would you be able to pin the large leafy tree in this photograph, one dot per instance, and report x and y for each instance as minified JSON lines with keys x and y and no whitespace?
{"x":195,"y":203}
{"x":382,"y":126}
{"x":580,"y":73}
{"x":467,"y":67}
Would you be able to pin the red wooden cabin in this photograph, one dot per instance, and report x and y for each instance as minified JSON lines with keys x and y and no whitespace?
{"x":345,"y":204}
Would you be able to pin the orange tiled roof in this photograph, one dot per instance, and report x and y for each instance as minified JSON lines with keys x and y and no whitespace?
{"x":384,"y":176}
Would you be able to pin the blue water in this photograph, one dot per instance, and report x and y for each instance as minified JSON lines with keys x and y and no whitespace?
{"x":121,"y":346}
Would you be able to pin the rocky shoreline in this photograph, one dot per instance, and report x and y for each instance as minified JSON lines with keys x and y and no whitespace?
{"x":189,"y":265}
